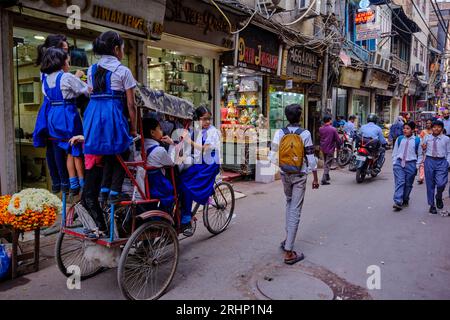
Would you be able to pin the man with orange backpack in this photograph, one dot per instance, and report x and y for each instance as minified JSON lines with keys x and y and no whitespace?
{"x":293,"y":151}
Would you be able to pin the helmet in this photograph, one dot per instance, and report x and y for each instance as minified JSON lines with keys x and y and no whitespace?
{"x":372,"y":118}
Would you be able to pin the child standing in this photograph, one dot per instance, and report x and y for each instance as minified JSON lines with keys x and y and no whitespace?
{"x":64,"y":122}
{"x":197,"y":182}
{"x":293,"y":151}
{"x":407,"y":158}
{"x":106,"y":129}
{"x":437,"y":151}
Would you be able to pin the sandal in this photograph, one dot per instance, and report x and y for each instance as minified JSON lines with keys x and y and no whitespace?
{"x":295,"y":259}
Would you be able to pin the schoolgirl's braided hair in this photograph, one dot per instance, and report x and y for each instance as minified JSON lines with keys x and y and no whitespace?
{"x":105,"y":45}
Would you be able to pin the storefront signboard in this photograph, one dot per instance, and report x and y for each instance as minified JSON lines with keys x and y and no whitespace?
{"x":377,"y":79}
{"x":132,"y":16}
{"x":259,"y":50}
{"x":351,"y":78}
{"x":366,"y":26}
{"x":300,"y":64}
{"x":200,"y":21}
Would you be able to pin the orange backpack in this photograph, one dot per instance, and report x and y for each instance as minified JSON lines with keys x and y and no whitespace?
{"x":291,"y":151}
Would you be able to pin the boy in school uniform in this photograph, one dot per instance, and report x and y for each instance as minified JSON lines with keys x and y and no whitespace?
{"x":437,"y":162}
{"x":407,"y":158}
{"x":293,"y":151}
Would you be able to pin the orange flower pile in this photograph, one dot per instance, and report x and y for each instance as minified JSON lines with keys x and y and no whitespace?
{"x":5,"y":217}
{"x":30,"y":220}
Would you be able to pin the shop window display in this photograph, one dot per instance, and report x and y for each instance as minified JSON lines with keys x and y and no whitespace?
{"x":279,"y":100}
{"x":242,"y":117}
{"x":179,"y":74}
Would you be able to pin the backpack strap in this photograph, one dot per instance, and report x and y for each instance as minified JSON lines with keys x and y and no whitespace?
{"x":286,"y":131}
{"x":417,"y":145}
{"x":298,"y":131}
{"x":399,"y":140}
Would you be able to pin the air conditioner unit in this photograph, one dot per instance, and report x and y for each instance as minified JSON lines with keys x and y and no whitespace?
{"x":378,"y":60}
{"x":387,"y":63}
{"x":287,"y":5}
{"x":315,"y":10}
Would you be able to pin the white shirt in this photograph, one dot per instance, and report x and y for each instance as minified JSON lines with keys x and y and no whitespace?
{"x":411,"y":154}
{"x":310,"y":164}
{"x":159,"y":157}
{"x":212,"y":139}
{"x":71,"y":86}
{"x":442,"y":146}
{"x":121,"y":79}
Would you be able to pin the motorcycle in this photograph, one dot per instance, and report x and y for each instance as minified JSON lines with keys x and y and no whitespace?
{"x":365,"y":160}
{"x":345,"y":153}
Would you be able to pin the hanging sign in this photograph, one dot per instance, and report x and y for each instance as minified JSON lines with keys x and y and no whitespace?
{"x":258,"y":49}
{"x":301,"y":64}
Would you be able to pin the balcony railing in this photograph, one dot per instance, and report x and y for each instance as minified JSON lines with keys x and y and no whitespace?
{"x":399,"y":64}
{"x":363,"y":54}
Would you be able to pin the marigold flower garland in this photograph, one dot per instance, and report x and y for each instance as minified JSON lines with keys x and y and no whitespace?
{"x":29,"y":209}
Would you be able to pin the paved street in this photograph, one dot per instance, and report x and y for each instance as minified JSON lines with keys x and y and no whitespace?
{"x":345,"y":228}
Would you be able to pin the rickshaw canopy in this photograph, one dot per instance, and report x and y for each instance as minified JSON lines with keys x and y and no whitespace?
{"x":162,"y":102}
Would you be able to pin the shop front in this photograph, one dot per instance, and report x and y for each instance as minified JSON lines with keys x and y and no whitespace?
{"x":245,"y":98}
{"x":28,"y":29}
{"x":380,"y":81}
{"x":185,"y":62}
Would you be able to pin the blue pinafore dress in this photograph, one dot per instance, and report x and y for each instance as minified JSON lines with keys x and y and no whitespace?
{"x":63,"y":119}
{"x":160,"y":187}
{"x":197,"y":182}
{"x":40,"y":133}
{"x":106,"y":129}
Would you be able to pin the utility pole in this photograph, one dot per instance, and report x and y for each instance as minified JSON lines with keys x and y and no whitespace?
{"x":325,"y":69}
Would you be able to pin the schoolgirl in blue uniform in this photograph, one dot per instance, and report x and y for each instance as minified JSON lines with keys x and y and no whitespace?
{"x":197,"y":182}
{"x":58,"y":173}
{"x":161,"y":186}
{"x":106,"y":128}
{"x":61,"y":88}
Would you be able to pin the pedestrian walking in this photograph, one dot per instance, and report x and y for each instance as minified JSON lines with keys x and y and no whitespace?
{"x":406,"y":157}
{"x":396,"y":130}
{"x":446,"y":122}
{"x":349,"y":127}
{"x":293,"y":151}
{"x":329,"y":142}
{"x":437,"y":150}
{"x":423,"y":134}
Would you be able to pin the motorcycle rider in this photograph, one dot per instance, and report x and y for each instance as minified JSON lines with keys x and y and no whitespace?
{"x":373,"y":134}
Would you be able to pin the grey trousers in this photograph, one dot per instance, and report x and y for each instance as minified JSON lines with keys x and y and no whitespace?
{"x":327,"y":163}
{"x":294,"y":189}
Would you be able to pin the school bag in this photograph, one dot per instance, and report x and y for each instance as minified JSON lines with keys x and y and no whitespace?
{"x":400,"y":138}
{"x":291,"y":151}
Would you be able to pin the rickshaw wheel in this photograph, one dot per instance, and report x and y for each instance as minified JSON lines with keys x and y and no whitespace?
{"x":218,"y":214}
{"x":149,"y":261}
{"x":70,"y":252}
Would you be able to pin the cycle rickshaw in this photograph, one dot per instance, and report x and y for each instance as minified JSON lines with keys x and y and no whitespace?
{"x":149,"y":241}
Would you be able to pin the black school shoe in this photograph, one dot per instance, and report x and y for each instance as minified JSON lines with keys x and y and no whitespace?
{"x":397,"y":207}
{"x":439,"y":203}
{"x":188,"y":230}
{"x":433,"y":210}
{"x":405,"y":204}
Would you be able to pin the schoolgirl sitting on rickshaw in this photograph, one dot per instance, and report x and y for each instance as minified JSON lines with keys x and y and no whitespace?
{"x":196,"y":180}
